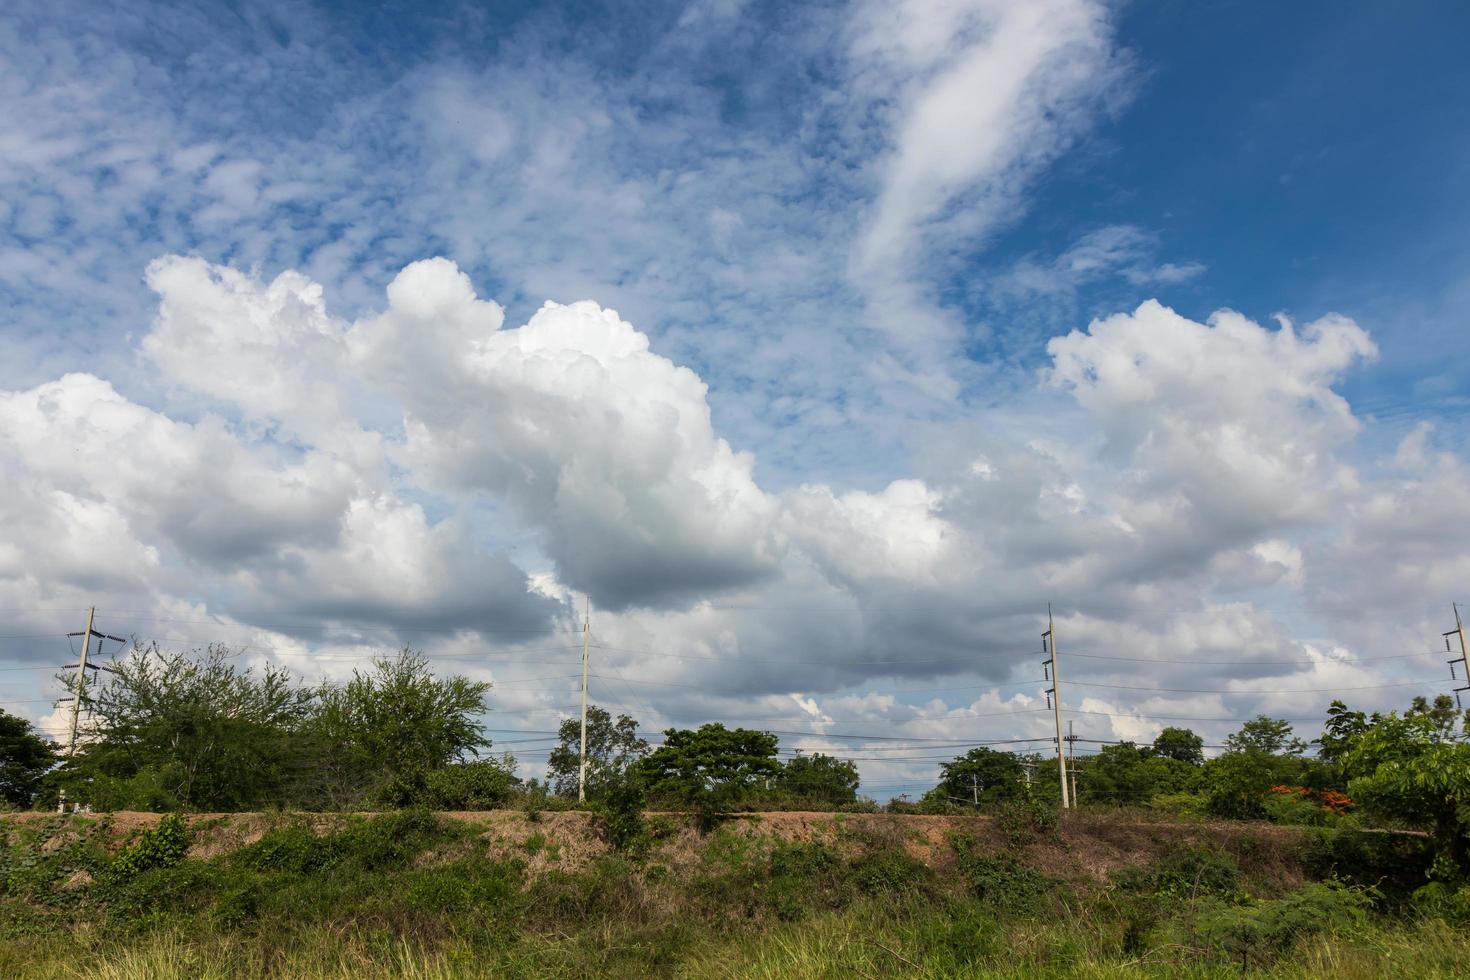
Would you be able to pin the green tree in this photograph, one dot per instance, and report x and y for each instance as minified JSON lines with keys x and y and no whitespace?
{"x":1180,"y":744}
{"x":1130,"y":774}
{"x":1272,"y":736}
{"x":1340,"y":730}
{"x":188,"y":730}
{"x":711,"y":762}
{"x":1411,"y":769}
{"x":388,"y":727}
{"x":982,"y":776}
{"x":820,"y":779}
{"x":612,"y":747}
{"x":25,"y":758}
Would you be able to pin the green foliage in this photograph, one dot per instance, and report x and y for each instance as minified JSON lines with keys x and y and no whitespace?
{"x":1185,"y":873}
{"x":1026,"y":820}
{"x":1181,"y":745}
{"x":819,"y":779}
{"x":1179,"y":804}
{"x":710,"y":767}
{"x":890,"y":871}
{"x":1127,"y":774}
{"x":612,"y":748}
{"x":1253,"y":933}
{"x":1408,"y":769}
{"x":622,"y":808}
{"x":1394,"y":864}
{"x":188,"y":731}
{"x":482,"y":785}
{"x":1270,"y":736}
{"x":1236,"y":783}
{"x":983,"y":777}
{"x":162,"y":847}
{"x":390,"y":726}
{"x":1001,"y":882}
{"x":25,"y":758}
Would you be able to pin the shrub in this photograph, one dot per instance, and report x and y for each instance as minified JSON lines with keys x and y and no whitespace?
{"x":1187,"y":873}
{"x":1255,"y":932}
{"x":482,"y":785}
{"x":162,"y":847}
{"x":1179,"y":804}
{"x":1392,"y":864}
{"x":1003,"y":883}
{"x":1026,"y":820}
{"x":891,"y":870}
{"x":622,"y":812}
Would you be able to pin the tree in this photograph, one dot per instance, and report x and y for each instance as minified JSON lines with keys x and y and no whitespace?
{"x":25,"y":757}
{"x":391,"y":725}
{"x":1411,"y":769}
{"x":1271,"y":736}
{"x":982,"y":776}
{"x":188,"y":731}
{"x":1340,"y":730}
{"x":1129,"y":774}
{"x":820,"y":779}
{"x":1180,"y":744}
{"x":612,"y":747}
{"x":711,"y":762}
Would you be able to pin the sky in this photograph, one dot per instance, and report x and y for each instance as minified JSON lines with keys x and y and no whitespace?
{"x":820,"y":347}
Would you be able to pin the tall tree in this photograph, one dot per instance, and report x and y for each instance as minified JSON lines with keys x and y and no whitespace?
{"x":612,"y":747}
{"x":24,"y":758}
{"x":1125,"y":774}
{"x":1180,"y":744}
{"x":1412,"y":769}
{"x":709,"y":761}
{"x":1272,"y":736}
{"x":982,"y":775}
{"x":188,"y":730}
{"x":820,"y":779}
{"x":391,"y":725}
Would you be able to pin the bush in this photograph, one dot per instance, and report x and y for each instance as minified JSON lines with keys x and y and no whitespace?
{"x":1025,"y":820}
{"x":1179,"y":804}
{"x":1392,"y":864}
{"x":483,"y":785}
{"x":889,"y":871}
{"x":1002,"y":883}
{"x":162,"y":847}
{"x":1187,"y":873}
{"x":622,"y":812}
{"x":1256,"y":932}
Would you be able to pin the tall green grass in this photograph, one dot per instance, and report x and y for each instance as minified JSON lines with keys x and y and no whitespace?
{"x":409,"y":894}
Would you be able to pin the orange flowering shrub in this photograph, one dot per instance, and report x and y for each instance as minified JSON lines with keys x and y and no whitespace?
{"x":1328,"y":799}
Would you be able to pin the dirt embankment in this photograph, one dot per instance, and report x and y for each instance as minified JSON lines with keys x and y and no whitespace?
{"x":1087,"y":846}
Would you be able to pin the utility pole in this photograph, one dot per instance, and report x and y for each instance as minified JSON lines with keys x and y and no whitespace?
{"x":1049,"y":645}
{"x":1072,"y":758}
{"x":80,"y":685}
{"x":1459,"y":631}
{"x":586,"y":647}
{"x":975,"y":790}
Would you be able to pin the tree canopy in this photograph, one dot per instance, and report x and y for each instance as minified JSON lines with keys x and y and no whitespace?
{"x":25,"y":757}
{"x":712,"y":759}
{"x":612,"y":747}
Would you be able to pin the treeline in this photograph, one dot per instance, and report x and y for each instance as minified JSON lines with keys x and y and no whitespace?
{"x":200,"y":732}
{"x":175,"y":731}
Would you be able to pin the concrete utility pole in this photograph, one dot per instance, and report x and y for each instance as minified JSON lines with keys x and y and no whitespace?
{"x":1050,"y":640}
{"x":81,"y":684}
{"x":586,"y":646}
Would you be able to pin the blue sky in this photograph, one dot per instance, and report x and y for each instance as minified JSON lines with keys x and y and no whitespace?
{"x":886,"y":273}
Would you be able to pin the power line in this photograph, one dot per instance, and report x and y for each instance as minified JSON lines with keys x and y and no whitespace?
{"x":1300,"y":690}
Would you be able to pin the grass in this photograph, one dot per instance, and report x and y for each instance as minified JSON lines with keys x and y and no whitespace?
{"x":412,"y":895}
